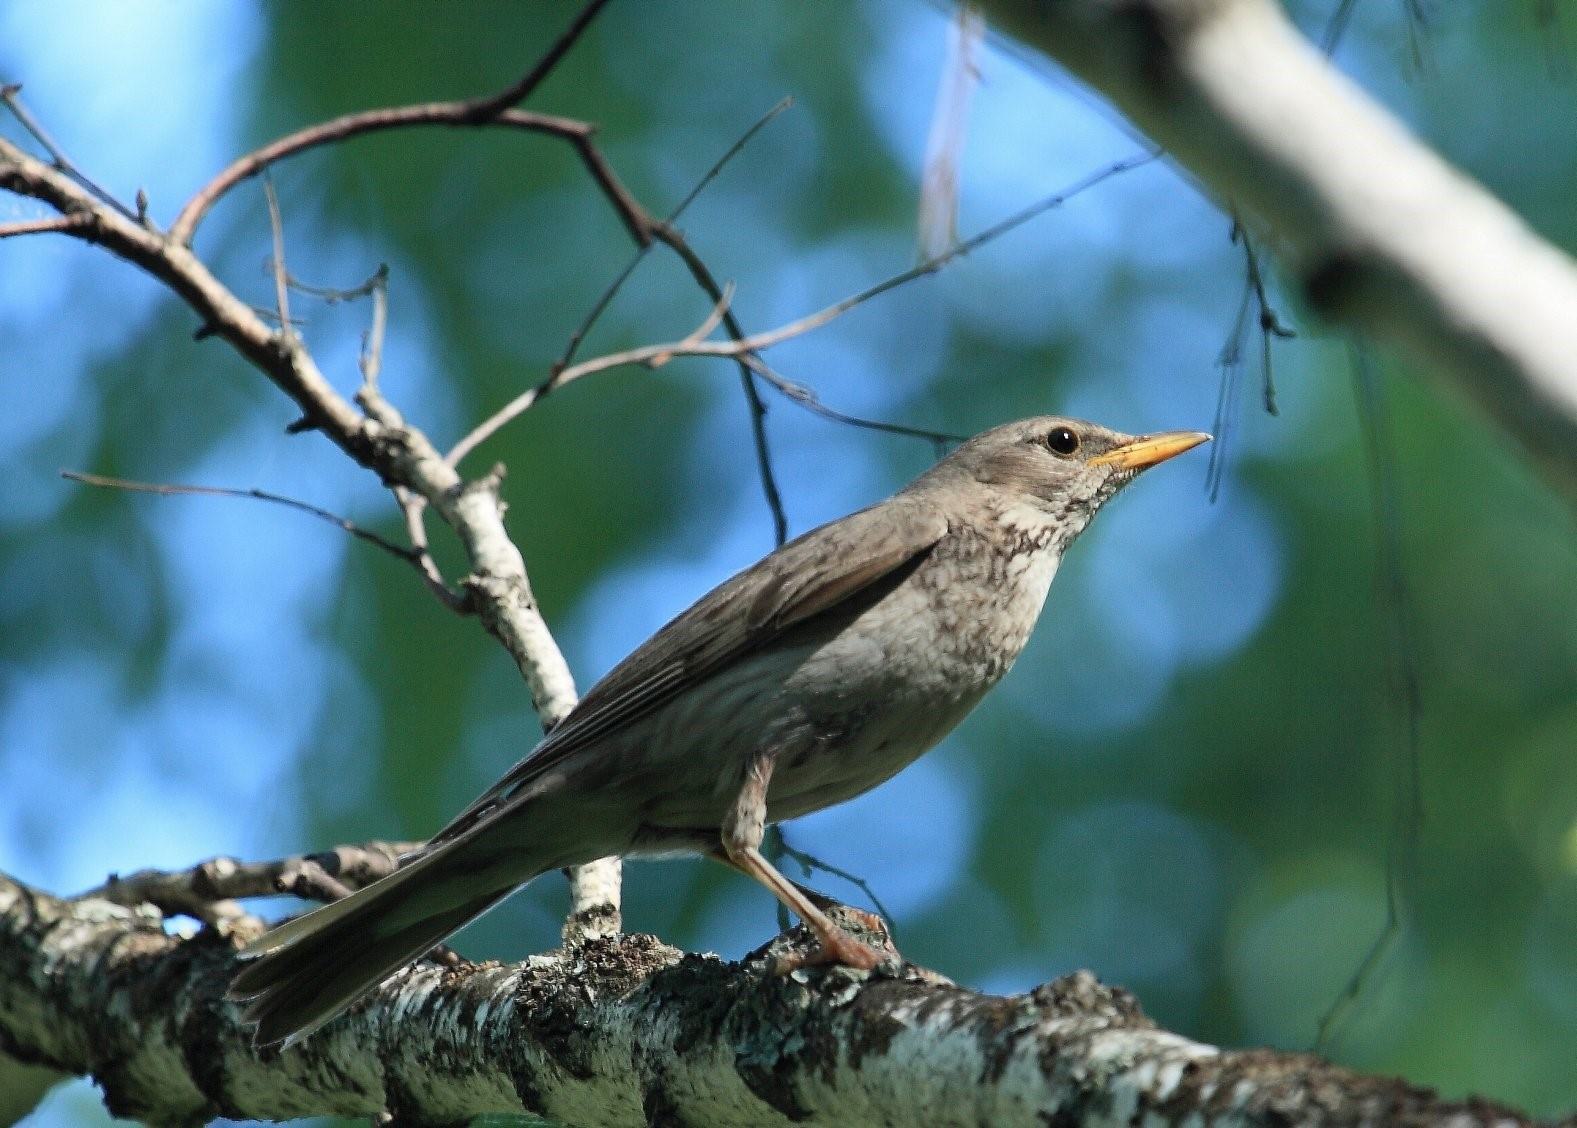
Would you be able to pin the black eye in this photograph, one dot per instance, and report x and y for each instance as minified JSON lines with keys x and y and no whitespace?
{"x":1062,"y":441}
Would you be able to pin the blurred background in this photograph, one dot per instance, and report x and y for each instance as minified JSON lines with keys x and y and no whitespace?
{"x":1206,"y":769}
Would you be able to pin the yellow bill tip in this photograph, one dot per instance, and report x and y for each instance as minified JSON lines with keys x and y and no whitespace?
{"x":1147,"y":450}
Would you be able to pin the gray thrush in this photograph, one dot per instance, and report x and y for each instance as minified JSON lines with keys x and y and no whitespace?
{"x":806,"y":679}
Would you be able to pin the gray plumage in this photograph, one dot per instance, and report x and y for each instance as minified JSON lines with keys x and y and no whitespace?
{"x":801,"y":682}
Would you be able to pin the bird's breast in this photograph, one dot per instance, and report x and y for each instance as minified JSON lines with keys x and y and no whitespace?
{"x":908,"y":669}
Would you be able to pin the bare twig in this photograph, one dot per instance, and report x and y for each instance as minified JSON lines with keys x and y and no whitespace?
{"x":670,"y":236}
{"x":944,"y":148}
{"x":1336,"y":26}
{"x":810,"y":864}
{"x":276,"y":229}
{"x":741,"y":348}
{"x":334,"y":295}
{"x":453,"y":114}
{"x":1269,"y":323}
{"x":641,"y":251}
{"x":655,"y":356}
{"x":57,"y":223}
{"x":808,"y":399}
{"x":9,"y":96}
{"x":520,"y":91}
{"x":1403,"y":667}
{"x":210,"y":890}
{"x":1230,"y":359}
{"x":493,"y":110}
{"x":371,"y":358}
{"x":412,"y":556}
{"x":958,"y":250}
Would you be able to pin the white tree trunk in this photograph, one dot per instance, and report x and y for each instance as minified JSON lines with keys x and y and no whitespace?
{"x":1380,"y":233}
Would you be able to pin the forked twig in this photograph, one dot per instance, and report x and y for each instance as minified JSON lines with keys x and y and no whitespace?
{"x":9,"y":96}
{"x":742,"y":348}
{"x":492,"y":110}
{"x":711,"y":174}
{"x":211,"y":891}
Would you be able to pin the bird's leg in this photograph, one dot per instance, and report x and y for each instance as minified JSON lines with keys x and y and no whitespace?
{"x":871,"y":922}
{"x":743,"y":829}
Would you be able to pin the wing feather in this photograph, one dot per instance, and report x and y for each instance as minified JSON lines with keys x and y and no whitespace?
{"x":809,"y":576}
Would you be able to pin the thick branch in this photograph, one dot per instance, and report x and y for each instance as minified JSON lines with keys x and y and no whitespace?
{"x":1382,"y":234}
{"x":630,"y":1031}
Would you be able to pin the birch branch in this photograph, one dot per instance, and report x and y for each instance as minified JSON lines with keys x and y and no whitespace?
{"x":628,"y":1031}
{"x":1382,"y":234}
{"x":376,"y":437}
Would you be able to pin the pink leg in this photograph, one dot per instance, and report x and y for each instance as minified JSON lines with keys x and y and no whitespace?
{"x":742,"y":834}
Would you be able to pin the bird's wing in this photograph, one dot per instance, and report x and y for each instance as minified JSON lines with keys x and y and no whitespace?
{"x":806,"y":577}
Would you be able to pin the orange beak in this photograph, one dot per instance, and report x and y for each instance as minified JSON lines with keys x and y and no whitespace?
{"x":1147,"y":450}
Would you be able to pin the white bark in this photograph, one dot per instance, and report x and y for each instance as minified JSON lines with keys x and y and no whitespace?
{"x":377,"y":437}
{"x":632,"y":1032}
{"x":1380,"y":232}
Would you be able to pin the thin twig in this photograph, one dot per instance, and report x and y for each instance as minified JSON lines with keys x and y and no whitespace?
{"x":671,"y":237}
{"x":494,"y":109}
{"x":371,"y":359}
{"x":57,"y":155}
{"x":702,"y":331}
{"x":740,"y":347}
{"x":173,"y":489}
{"x":655,"y":356}
{"x":413,"y":507}
{"x":641,"y":251}
{"x":810,"y":864}
{"x":944,"y":148}
{"x":1336,"y":26}
{"x":1269,"y":323}
{"x":276,"y":227}
{"x":520,"y":91}
{"x":808,"y":399}
{"x":46,"y":224}
{"x":1402,"y":662}
{"x":1230,"y":359}
{"x":451,"y":114}
{"x":1225,"y":420}
{"x":210,"y":891}
{"x":958,"y":250}
{"x":333,"y":295}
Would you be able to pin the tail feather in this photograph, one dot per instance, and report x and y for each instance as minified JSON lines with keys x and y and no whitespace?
{"x":308,"y":970}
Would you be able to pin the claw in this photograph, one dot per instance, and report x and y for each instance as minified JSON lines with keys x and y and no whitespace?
{"x":832,"y":948}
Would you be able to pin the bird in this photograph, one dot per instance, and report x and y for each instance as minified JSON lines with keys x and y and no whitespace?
{"x":807,"y":679}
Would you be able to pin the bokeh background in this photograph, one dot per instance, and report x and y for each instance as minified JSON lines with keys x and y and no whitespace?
{"x":1200,"y":778}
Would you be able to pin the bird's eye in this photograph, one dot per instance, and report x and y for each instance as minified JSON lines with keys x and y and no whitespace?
{"x":1062,"y":441}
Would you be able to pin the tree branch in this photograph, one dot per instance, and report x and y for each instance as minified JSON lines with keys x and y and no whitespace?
{"x":209,"y":891}
{"x":376,"y":437}
{"x":1380,"y":233}
{"x":630,"y":1031}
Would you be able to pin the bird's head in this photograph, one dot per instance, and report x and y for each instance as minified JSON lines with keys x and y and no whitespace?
{"x":1053,"y":472}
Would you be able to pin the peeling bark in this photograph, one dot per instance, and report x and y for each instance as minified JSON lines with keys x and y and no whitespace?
{"x":628,"y":1030}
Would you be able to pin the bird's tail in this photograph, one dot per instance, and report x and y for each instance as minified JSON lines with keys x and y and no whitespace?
{"x":308,"y":970}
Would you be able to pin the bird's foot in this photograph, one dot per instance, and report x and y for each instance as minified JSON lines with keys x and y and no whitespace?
{"x":835,"y":947}
{"x":861,"y":919}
